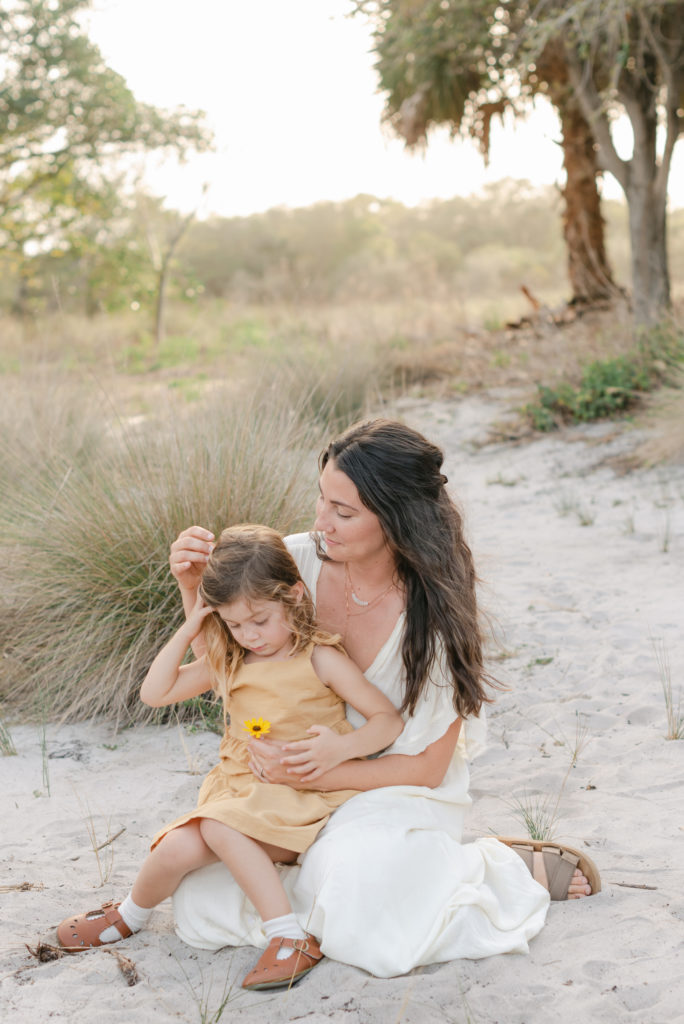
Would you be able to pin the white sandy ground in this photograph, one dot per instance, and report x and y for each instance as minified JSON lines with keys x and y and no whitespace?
{"x":579,"y":609}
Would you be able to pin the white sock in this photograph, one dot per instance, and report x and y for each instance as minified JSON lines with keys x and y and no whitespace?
{"x":134,"y":916}
{"x":285,"y":927}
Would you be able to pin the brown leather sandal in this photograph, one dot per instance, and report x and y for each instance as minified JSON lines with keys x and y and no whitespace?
{"x":273,"y":973}
{"x":553,"y":865}
{"x":84,"y":930}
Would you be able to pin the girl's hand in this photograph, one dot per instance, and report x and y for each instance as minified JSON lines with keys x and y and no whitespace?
{"x":312,"y":758}
{"x":189,"y":555}
{"x":193,"y":624}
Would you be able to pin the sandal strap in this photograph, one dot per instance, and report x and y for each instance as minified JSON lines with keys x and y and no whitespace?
{"x":270,"y":972}
{"x":308,"y":947}
{"x":84,"y":930}
{"x":551,"y":866}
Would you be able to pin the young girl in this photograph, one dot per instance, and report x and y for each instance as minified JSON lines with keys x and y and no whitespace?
{"x":278,"y":675}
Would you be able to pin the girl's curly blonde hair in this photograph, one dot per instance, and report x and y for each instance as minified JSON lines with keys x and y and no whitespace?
{"x":251,"y":563}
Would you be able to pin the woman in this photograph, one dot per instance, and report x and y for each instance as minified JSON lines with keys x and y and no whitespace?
{"x":388,"y":885}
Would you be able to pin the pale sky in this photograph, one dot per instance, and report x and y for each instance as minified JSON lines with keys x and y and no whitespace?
{"x":290,"y":92}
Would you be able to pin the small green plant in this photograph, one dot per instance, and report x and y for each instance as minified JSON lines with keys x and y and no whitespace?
{"x":504,"y":481}
{"x":666,"y":533}
{"x":568,"y":503}
{"x":539,"y":814}
{"x":673,"y":705}
{"x":7,"y":747}
{"x":629,"y":526}
{"x":194,"y":761}
{"x":202,"y":994}
{"x":585,"y":517}
{"x":105,"y":861}
{"x":45,"y":758}
{"x":609,"y":387}
{"x":500,"y":357}
{"x":203,"y":712}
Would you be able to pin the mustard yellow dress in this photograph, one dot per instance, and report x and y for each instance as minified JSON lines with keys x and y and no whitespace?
{"x":290,"y":696}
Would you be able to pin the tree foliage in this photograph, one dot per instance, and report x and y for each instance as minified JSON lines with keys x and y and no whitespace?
{"x":441,"y":62}
{"x":453,"y":62}
{"x":65,"y":116}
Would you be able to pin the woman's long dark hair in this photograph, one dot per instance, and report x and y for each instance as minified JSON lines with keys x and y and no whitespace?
{"x":398,"y":474}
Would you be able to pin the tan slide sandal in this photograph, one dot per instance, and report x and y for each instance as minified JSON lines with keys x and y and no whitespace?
{"x":553,"y":864}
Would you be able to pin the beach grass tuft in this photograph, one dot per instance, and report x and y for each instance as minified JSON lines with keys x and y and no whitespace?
{"x":209,"y":1009}
{"x":88,"y":516}
{"x":7,"y":747}
{"x":539,"y":813}
{"x":673,"y":704}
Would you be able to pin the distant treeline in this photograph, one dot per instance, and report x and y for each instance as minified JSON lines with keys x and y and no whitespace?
{"x":364,"y":248}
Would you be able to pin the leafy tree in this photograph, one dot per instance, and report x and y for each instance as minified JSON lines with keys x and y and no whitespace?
{"x":64,"y":119}
{"x":452,"y":62}
{"x":627,"y":58}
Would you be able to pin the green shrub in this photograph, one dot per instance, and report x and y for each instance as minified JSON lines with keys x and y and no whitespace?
{"x":609,"y":387}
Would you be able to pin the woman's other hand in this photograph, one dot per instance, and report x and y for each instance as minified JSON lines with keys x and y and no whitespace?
{"x":189,"y":555}
{"x":309,"y":759}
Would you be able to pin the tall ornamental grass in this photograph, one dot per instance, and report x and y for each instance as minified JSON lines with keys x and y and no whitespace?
{"x":88,"y":508}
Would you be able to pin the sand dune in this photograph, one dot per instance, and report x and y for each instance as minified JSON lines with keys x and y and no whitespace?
{"x":582,"y":575}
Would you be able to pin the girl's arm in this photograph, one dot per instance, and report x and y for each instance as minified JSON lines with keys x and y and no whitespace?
{"x":188,"y":556}
{"x":167,"y":680}
{"x":425,"y":769}
{"x":326,"y":749}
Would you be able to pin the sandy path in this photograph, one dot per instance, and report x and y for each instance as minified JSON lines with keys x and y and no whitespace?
{"x":578,"y":610}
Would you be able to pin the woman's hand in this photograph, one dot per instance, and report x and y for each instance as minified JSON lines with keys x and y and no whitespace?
{"x":312,"y":758}
{"x":264,"y":762}
{"x":189,"y":555}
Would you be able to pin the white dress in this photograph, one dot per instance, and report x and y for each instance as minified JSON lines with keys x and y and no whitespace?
{"x":387,"y":885}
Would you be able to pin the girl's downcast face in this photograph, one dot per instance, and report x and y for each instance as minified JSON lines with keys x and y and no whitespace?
{"x":261,"y":627}
{"x":351,"y":531}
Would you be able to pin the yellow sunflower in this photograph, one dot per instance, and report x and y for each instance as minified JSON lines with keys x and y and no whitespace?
{"x":257,"y":727}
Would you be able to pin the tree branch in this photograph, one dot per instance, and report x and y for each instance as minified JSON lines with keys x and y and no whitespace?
{"x":592,"y":107}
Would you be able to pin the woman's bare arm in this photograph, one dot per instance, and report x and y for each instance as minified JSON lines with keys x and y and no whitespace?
{"x":188,"y":556}
{"x":425,"y":769}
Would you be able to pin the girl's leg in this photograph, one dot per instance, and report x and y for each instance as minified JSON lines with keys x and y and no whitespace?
{"x":252,"y":866}
{"x":180,"y":851}
{"x":291,"y":953}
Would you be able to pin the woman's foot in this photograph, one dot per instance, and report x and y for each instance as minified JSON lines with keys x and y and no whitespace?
{"x":272,"y":972}
{"x":87,"y":930}
{"x":566,"y":873}
{"x":579,"y":886}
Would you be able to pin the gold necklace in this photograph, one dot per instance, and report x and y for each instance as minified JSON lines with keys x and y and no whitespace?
{"x":365,"y":606}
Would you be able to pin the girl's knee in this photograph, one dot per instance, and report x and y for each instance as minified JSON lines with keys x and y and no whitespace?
{"x":184,"y":845}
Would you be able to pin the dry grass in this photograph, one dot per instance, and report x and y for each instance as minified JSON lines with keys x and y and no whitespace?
{"x":664,"y":418}
{"x":673,"y":703}
{"x":109,"y":448}
{"x":88,"y":595}
{"x":539,"y":813}
{"x":363,"y":351}
{"x":7,"y":747}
